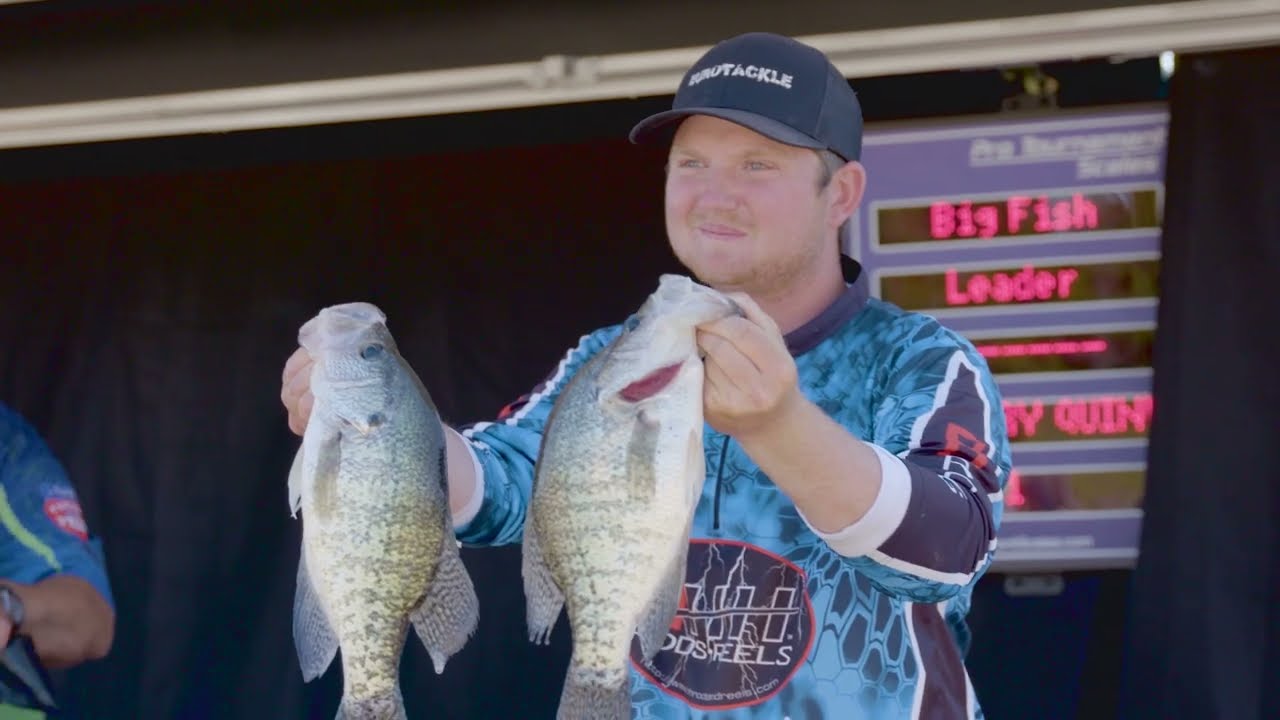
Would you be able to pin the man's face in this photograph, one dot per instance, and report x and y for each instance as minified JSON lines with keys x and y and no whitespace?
{"x":745,"y":212}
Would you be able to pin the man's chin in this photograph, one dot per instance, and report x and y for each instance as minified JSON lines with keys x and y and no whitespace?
{"x":722,"y":279}
{"x":717,"y":265}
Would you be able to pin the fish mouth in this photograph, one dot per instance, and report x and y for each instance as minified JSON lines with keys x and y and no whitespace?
{"x":651,"y":384}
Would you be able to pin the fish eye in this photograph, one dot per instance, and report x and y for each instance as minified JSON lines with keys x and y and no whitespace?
{"x":368,"y":352}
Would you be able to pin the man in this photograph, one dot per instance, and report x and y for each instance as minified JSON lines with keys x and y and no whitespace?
{"x":53,"y":583}
{"x":856,"y":454}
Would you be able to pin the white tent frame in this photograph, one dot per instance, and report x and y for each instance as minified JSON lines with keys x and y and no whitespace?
{"x":1117,"y":33}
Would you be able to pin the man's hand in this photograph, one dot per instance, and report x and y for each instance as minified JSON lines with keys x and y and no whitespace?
{"x":753,"y":394}
{"x":67,"y":620}
{"x":5,"y":628}
{"x":295,"y":390}
{"x":751,"y":378}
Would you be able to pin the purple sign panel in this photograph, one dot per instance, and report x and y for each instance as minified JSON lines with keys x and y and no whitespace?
{"x":1037,"y":236}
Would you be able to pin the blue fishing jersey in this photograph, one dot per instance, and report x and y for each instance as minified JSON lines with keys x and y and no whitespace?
{"x":777,"y":620}
{"x":42,"y":528}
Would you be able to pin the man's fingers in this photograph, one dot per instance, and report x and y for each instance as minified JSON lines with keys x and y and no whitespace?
{"x":744,"y":336}
{"x":716,"y":384}
{"x":295,"y":390}
{"x":754,"y":313}
{"x":731,"y":367}
{"x":300,"y":413}
{"x":295,"y":386}
{"x":297,"y":361}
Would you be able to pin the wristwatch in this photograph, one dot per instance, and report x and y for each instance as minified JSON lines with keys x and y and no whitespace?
{"x":11,"y":606}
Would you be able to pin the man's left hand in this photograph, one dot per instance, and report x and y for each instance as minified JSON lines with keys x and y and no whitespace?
{"x":751,"y":378}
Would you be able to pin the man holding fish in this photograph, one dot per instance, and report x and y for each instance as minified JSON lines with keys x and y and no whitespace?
{"x":854,"y":455}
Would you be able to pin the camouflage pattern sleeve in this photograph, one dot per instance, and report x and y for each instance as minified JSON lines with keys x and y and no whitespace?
{"x":506,"y":449}
{"x":939,"y":431}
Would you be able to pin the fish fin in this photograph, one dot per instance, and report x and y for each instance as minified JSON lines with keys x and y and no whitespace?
{"x":657,"y":616}
{"x":591,"y":696}
{"x":313,"y":636}
{"x":387,"y":706}
{"x":450,"y":610}
{"x":315,"y":468}
{"x":543,"y":598}
{"x":642,"y":452}
{"x":695,"y":471}
{"x":295,"y":483}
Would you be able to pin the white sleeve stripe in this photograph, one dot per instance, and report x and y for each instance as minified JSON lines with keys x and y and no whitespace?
{"x":472,"y":508}
{"x":920,"y":571}
{"x":922,"y":670}
{"x":535,"y":398}
{"x":882,"y":518}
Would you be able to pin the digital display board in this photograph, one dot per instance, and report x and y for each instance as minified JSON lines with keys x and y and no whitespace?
{"x":1061,"y":281}
{"x":1017,"y":215}
{"x":1067,"y":417}
{"x":1068,"y":350}
{"x":1037,"y":237}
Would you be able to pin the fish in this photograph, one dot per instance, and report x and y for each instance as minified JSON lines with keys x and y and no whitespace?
{"x":619,"y":472}
{"x":378,"y":549}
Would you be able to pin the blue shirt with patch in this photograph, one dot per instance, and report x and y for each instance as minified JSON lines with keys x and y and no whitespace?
{"x":42,"y":528}
{"x":776,"y":620}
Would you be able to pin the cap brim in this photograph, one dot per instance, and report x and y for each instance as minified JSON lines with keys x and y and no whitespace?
{"x":651,"y":126}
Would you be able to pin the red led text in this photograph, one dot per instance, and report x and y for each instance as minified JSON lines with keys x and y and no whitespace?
{"x":1026,"y":285}
{"x":1019,"y":215}
{"x":1079,"y":418}
{"x":1051,"y":347}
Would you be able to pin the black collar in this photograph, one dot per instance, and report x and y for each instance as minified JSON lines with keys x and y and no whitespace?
{"x":851,"y":301}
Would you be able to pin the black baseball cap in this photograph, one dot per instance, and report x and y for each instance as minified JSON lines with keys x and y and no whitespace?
{"x":775,"y":85}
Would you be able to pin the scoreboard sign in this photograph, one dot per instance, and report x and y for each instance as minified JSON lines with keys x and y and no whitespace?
{"x":1038,"y":238}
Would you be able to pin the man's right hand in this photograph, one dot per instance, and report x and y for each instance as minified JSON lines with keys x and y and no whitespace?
{"x":295,"y":393}
{"x":295,"y":390}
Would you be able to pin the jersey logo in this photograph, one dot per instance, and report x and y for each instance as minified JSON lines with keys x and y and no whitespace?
{"x":960,"y":438}
{"x":743,"y":628}
{"x":65,"y":513}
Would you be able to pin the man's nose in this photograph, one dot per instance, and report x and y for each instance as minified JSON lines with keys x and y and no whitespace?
{"x":719,"y":191}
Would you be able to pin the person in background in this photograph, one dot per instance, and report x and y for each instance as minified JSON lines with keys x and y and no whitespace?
{"x":855,"y":453}
{"x":54,"y":589}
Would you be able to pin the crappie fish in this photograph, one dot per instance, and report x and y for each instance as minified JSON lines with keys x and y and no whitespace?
{"x":618,"y":477}
{"x":378,"y":549}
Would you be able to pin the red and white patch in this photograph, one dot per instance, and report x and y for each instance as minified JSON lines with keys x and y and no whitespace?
{"x":66,"y":514}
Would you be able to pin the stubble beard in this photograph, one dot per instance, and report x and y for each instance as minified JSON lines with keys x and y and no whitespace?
{"x":775,"y":277}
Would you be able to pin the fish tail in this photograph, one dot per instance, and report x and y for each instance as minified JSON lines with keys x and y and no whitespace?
{"x":594,"y":695}
{"x":387,"y":706}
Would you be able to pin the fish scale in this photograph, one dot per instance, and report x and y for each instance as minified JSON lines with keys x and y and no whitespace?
{"x":618,"y":476}
{"x":379,"y":554}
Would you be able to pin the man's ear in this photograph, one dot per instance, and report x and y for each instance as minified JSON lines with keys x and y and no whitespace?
{"x":847,"y":187}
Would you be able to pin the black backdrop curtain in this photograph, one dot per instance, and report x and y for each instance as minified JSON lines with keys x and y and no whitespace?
{"x":151,"y":291}
{"x":1204,"y":637}
{"x":147,"y":316}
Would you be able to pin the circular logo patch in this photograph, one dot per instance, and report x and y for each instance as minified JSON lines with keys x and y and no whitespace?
{"x":743,"y":628}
